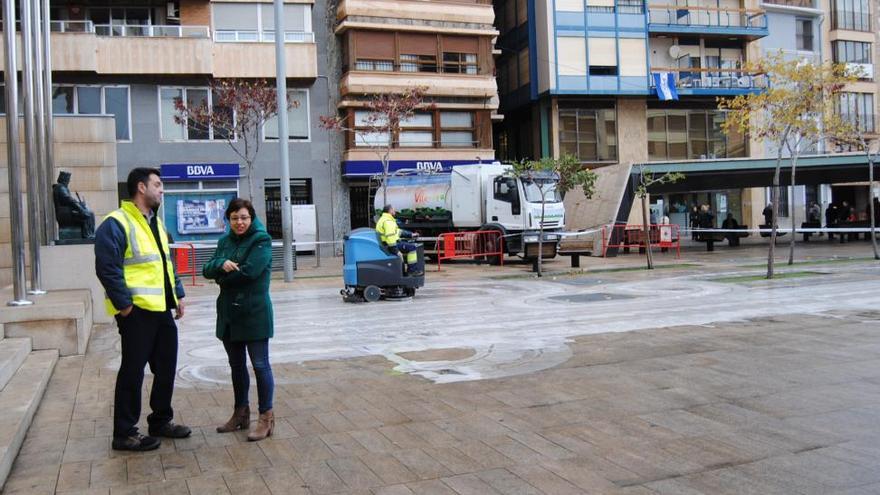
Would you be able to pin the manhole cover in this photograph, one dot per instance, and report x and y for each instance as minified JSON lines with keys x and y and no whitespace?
{"x":591,"y":297}
{"x":583,"y":281}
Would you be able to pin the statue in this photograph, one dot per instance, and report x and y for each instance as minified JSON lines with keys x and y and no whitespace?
{"x":75,"y":220}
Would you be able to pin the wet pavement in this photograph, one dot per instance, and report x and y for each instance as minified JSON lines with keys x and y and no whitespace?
{"x":698,"y":377}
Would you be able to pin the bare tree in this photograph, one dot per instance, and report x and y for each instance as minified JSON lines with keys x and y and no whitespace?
{"x":379,"y":130}
{"x":239,"y":110}
{"x":646,"y":180}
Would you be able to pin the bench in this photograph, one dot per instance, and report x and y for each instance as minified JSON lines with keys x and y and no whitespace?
{"x":575,"y":248}
{"x":779,"y":231}
{"x":710,"y":238}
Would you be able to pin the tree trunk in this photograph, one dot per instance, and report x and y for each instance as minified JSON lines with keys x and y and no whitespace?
{"x":791,"y":213}
{"x":774,"y":205}
{"x":541,"y":237}
{"x":250,"y":179}
{"x":647,"y":229}
{"x":871,"y":203}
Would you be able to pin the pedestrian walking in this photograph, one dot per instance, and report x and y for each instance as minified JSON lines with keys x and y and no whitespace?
{"x":242,"y":266}
{"x":133,"y":263}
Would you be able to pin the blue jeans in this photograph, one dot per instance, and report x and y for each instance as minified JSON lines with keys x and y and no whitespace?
{"x":259,"y":352}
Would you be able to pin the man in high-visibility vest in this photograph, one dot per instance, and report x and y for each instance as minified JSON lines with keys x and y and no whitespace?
{"x":133,"y":262}
{"x":390,"y":234}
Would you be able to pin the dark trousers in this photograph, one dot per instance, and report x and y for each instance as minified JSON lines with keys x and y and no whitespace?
{"x":147,"y":337}
{"x":259,"y":352}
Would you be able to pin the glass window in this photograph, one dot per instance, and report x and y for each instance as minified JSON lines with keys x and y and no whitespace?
{"x":804,"y":34}
{"x":363,"y":135}
{"x":297,"y":117}
{"x":62,"y":100}
{"x":88,"y":100}
{"x":171,"y":131}
{"x":690,"y":134}
{"x":854,"y":15}
{"x":590,"y":135}
{"x":457,"y":129}
{"x":460,"y":63}
{"x":116,"y":104}
{"x":197,"y":98}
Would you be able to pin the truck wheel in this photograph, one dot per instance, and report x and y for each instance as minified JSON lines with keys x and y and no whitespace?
{"x":491,"y":245}
{"x":372,"y":293}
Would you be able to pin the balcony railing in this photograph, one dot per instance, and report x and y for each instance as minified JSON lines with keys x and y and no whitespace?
{"x":725,"y":79}
{"x":72,"y":27}
{"x":809,"y":4}
{"x":688,"y":15}
{"x":152,"y":31}
{"x":254,"y":36}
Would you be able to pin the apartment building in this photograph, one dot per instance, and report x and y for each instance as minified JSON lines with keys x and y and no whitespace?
{"x":132,"y":59}
{"x":387,"y":46}
{"x":578,"y":76}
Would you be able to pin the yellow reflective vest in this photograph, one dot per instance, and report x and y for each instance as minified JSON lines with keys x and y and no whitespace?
{"x":389,"y":232}
{"x":142,"y":261}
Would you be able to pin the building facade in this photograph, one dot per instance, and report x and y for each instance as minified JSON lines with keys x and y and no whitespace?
{"x":580,"y":76}
{"x":388,"y":46}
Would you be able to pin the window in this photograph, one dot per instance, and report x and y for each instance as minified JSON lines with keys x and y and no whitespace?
{"x":374,"y":65}
{"x":418,"y":63}
{"x":858,"y":108}
{"x":460,"y":63}
{"x":804,"y":34}
{"x":95,"y":100}
{"x":457,"y":130}
{"x":854,"y":15}
{"x":446,"y":129}
{"x":630,"y":6}
{"x":690,"y":134}
{"x":417,"y":131}
{"x":297,"y":117}
{"x":253,"y":22}
{"x":169,"y":130}
{"x":590,"y":135}
{"x":854,"y":52}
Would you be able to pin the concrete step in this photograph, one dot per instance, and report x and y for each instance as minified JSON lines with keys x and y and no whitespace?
{"x":18,"y":403}
{"x":12,"y":353}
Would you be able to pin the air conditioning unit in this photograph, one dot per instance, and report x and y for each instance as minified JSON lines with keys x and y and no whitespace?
{"x":172,"y":11}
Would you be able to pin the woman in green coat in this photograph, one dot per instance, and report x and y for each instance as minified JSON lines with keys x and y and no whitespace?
{"x":242,"y":266}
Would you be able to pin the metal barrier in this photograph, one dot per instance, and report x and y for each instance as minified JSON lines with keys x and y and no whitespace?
{"x":185,"y":260}
{"x":663,"y":236}
{"x":480,"y":243}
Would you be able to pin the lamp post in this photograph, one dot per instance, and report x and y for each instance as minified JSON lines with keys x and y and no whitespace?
{"x":283,"y":135}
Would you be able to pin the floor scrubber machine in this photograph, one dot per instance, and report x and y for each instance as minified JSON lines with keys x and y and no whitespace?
{"x":371,"y":272}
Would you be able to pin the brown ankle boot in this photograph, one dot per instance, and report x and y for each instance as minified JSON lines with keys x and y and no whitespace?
{"x":264,"y":428}
{"x":240,"y":420}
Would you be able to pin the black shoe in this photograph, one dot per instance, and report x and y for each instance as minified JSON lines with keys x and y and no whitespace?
{"x":416,"y":273}
{"x":136,"y":442}
{"x":170,"y":430}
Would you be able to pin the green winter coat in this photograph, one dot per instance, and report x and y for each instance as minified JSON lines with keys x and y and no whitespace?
{"x":244,"y":309}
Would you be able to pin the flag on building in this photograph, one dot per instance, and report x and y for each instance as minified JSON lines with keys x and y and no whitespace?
{"x":665,"y":84}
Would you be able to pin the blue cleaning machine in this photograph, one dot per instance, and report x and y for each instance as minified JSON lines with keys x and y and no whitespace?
{"x":371,"y":272}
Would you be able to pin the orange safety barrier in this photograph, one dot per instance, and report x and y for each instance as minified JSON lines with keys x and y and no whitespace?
{"x":185,"y":260}
{"x":452,"y":245}
{"x":663,"y":236}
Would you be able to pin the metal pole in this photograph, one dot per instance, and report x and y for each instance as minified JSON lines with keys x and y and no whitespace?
{"x":281,"y":89}
{"x":40,"y":109}
{"x":49,"y":143}
{"x":32,"y":163}
{"x":10,"y":75}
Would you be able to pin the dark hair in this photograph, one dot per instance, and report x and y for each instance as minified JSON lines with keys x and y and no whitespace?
{"x":239,"y":203}
{"x":138,"y":175}
{"x":386,"y":208}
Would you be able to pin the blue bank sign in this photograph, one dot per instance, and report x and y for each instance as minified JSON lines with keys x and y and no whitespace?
{"x":199,"y":171}
{"x":367,"y":168}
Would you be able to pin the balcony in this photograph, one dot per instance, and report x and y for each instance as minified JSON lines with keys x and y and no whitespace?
{"x":713,"y":82}
{"x":81,"y":46}
{"x":749,"y":24}
{"x":465,"y":16}
{"x":438,"y":84}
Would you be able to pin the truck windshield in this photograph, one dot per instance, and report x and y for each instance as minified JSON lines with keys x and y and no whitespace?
{"x":533,"y":190}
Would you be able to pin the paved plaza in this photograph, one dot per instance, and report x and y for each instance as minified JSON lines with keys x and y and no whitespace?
{"x":696,"y":378}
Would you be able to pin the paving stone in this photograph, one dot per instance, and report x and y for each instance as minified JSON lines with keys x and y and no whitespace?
{"x":208,"y":485}
{"x":214,"y":460}
{"x":247,"y":456}
{"x":421,"y":464}
{"x":320,"y":478}
{"x":173,"y":487}
{"x":180,"y":465}
{"x":388,"y":468}
{"x":283,"y":481}
{"x":543,"y":479}
{"x":246,"y":482}
{"x":144,"y":469}
{"x":74,"y":476}
{"x":503,"y":481}
{"x":430,"y":487}
{"x":354,"y":473}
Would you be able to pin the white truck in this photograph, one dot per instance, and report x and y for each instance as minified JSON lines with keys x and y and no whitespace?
{"x":479,"y":197}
